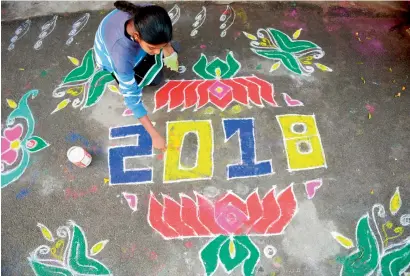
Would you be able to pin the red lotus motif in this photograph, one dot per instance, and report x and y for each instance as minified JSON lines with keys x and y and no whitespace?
{"x":229,"y":215}
{"x":221,"y":93}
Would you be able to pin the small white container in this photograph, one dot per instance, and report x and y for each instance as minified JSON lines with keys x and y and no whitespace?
{"x":79,"y":157}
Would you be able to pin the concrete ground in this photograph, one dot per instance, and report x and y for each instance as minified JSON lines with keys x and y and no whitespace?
{"x":362,"y":113}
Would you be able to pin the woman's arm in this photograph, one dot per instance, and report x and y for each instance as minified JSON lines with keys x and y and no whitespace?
{"x":157,"y":140}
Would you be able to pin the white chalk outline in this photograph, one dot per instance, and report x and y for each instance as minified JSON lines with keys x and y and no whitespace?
{"x":223,"y":19}
{"x":267,"y":253}
{"x":240,"y":148}
{"x":199,"y":21}
{"x":129,"y":157}
{"x":174,"y":17}
{"x":307,"y":136}
{"x":19,"y":33}
{"x":77,"y":27}
{"x":198,"y":150}
{"x":405,"y":220}
{"x":46,"y":30}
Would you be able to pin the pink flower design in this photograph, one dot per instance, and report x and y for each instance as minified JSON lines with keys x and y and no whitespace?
{"x":10,"y":144}
{"x":229,"y":215}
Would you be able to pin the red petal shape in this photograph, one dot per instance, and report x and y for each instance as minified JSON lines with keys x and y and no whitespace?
{"x":177,"y":95}
{"x":203,"y":93}
{"x":172,"y":216}
{"x":162,"y":96}
{"x":240,"y":92}
{"x":221,"y":103}
{"x":267,"y":92}
{"x":271,"y":212}
{"x":288,"y":206}
{"x":254,"y":90}
{"x":191,"y":96}
{"x":156,"y":221}
{"x":190,"y":217}
{"x":206,"y":215}
{"x":230,"y":198}
{"x":255,"y":210}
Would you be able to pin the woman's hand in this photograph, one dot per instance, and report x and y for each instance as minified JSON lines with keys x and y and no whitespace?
{"x":171,"y":58}
{"x":168,"y":50}
{"x":158,"y":142}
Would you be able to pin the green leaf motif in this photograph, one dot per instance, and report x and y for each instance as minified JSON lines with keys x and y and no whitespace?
{"x":199,"y":68}
{"x":241,"y":253}
{"x":288,"y":45}
{"x":78,"y":259}
{"x":42,"y":269}
{"x":97,"y":87}
{"x":287,"y":59}
{"x":218,"y":250}
{"x":40,"y":144}
{"x":254,"y":255}
{"x":84,"y":71}
{"x":364,"y":260}
{"x":208,"y":71}
{"x":209,"y":254}
{"x":217,"y":64}
{"x":234,"y":66}
{"x":397,"y":261}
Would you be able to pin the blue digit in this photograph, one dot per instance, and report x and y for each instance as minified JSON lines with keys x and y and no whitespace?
{"x":248,"y":167}
{"x":118,"y":154}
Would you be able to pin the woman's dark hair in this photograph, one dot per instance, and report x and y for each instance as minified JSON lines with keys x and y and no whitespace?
{"x":151,"y":22}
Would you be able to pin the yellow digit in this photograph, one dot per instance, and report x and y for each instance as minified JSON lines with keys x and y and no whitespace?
{"x":203,"y":168}
{"x":303,"y":146}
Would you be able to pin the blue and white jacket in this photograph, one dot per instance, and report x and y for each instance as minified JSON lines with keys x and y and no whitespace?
{"x":118,"y":54}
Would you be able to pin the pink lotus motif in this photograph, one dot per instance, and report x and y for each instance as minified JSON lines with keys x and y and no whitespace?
{"x":10,"y":144}
{"x":229,"y":215}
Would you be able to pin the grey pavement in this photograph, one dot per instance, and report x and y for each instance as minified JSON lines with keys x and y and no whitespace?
{"x":361,"y":104}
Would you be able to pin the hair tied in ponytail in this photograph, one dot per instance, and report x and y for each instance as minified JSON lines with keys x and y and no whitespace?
{"x":126,"y":6}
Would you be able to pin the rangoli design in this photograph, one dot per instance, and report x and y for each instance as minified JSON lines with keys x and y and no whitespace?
{"x":230,"y":221}
{"x":383,"y":251}
{"x":68,"y":254}
{"x":218,"y":86}
{"x":296,"y":55}
{"x":18,"y":141}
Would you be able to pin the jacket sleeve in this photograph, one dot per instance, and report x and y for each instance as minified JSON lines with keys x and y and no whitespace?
{"x":124,"y":72}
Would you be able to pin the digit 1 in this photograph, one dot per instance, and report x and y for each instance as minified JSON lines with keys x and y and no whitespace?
{"x":248,"y":167}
